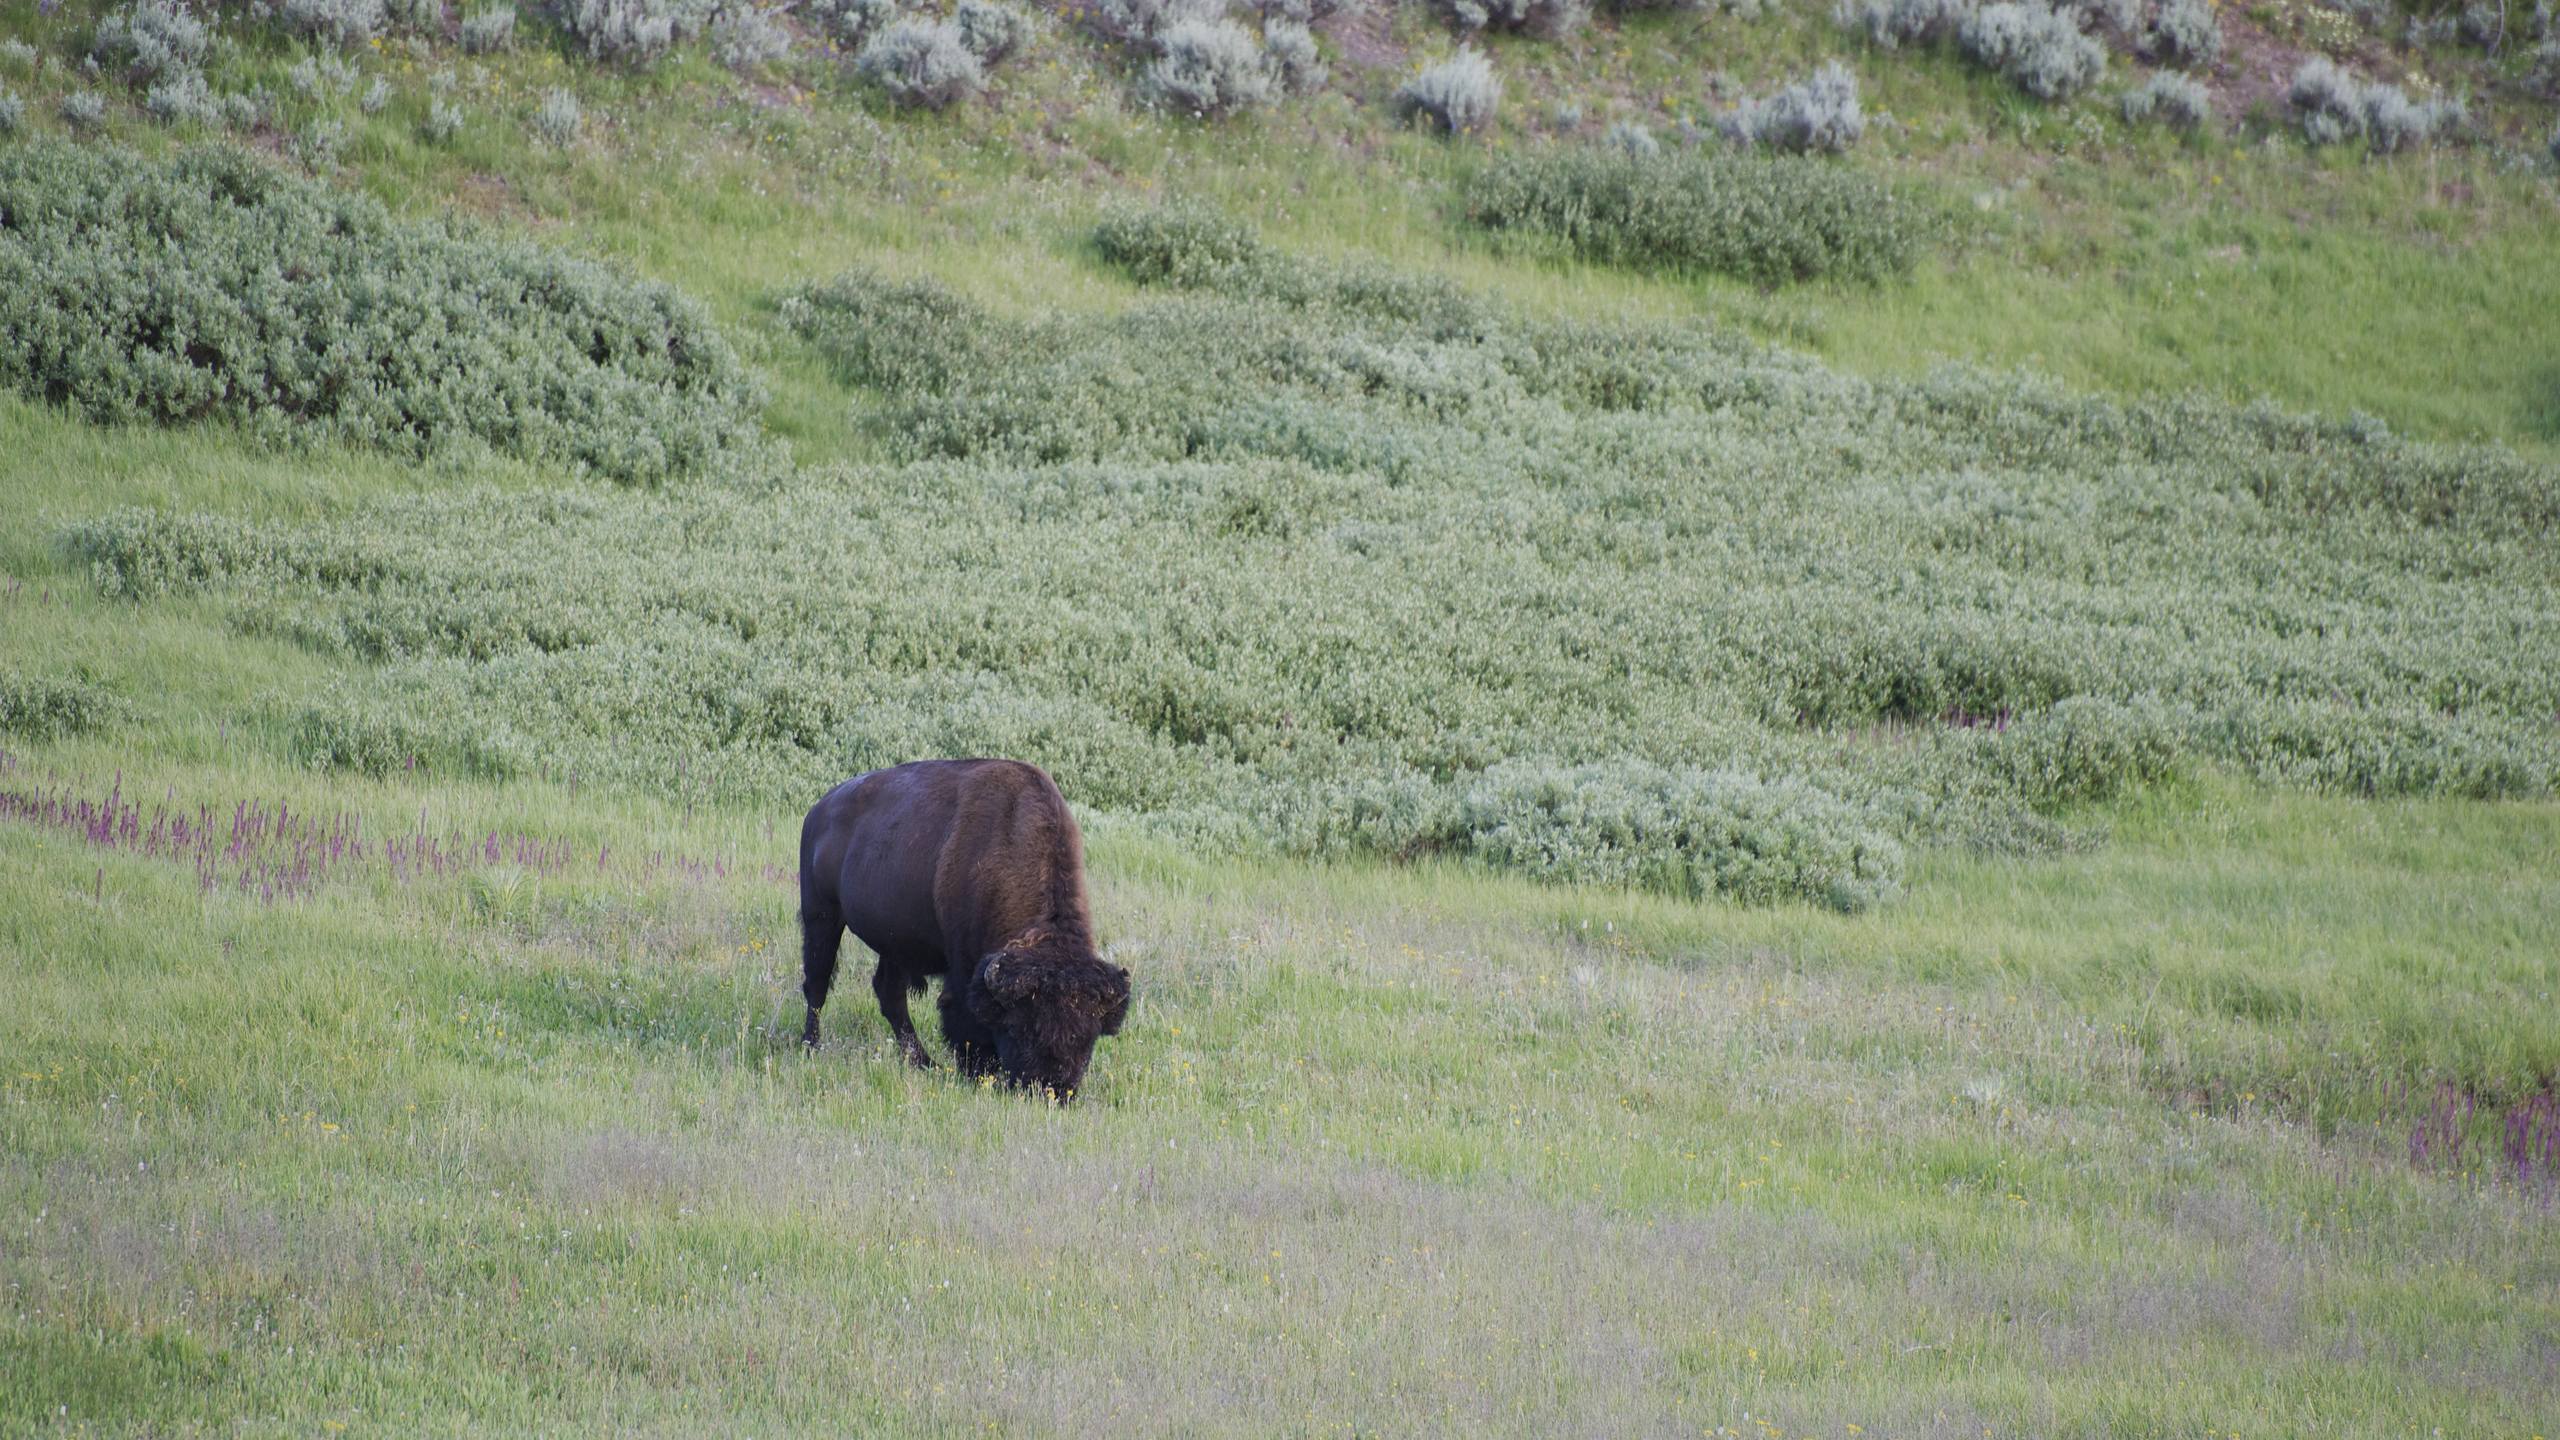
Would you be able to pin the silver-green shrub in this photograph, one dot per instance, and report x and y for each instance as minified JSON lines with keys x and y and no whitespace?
{"x":745,"y":36}
{"x":1139,"y":22}
{"x":2168,"y":98}
{"x":443,"y":122}
{"x":1210,"y":69}
{"x":1544,"y":19}
{"x":1632,"y":138}
{"x":1893,"y":24}
{"x":147,"y":39}
{"x":850,"y":22}
{"x":181,"y":96}
{"x":18,"y":55}
{"x":2184,"y":32}
{"x":284,"y":289}
{"x":13,"y":112}
{"x":2333,"y":106}
{"x":84,"y":110}
{"x":1819,"y":114}
{"x":318,"y":143}
{"x":992,"y":30}
{"x":559,"y":119}
{"x":2039,"y":49}
{"x":488,"y":30}
{"x":922,"y":63}
{"x":1458,"y":95}
{"x":1294,"y":57}
{"x":630,"y":32}
{"x":376,"y":97}
{"x":342,"y":23}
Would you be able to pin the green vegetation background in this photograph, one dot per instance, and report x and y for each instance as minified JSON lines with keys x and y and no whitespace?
{"x":2198,"y":1131}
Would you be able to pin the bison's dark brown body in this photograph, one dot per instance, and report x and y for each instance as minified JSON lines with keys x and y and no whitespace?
{"x":970,"y":872}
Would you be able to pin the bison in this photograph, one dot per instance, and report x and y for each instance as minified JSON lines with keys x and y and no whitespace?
{"x":971,"y":872}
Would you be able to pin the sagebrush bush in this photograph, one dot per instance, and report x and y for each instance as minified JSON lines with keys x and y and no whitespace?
{"x":1544,"y":19}
{"x":1459,"y":95}
{"x":922,"y":63}
{"x":443,"y":122}
{"x":181,"y":97}
{"x":1210,"y":68}
{"x":1632,"y":138}
{"x":1893,"y":24}
{"x":559,"y":119}
{"x":1762,"y":218}
{"x":42,"y":707}
{"x":745,"y":36}
{"x":1139,"y":22}
{"x":2170,"y":99}
{"x":993,"y":31}
{"x":1819,"y":114}
{"x":17,"y":54}
{"x":488,"y":30}
{"x":1295,"y":60}
{"x":147,"y":39}
{"x":84,"y":110}
{"x":850,"y":22}
{"x":2038,"y":48}
{"x":2334,"y":106}
{"x":283,"y":291}
{"x":341,"y":23}
{"x":2184,"y":32}
{"x":13,"y":112}
{"x":630,"y":32}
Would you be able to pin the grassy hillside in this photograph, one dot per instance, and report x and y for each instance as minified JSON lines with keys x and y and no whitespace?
{"x":1675,"y":886}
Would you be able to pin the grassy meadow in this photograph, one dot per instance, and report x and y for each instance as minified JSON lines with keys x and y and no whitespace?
{"x":1675,"y":886}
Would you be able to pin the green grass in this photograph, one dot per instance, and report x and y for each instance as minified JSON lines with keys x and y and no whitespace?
{"x":1378,"y":1150}
{"x":2113,"y":1142}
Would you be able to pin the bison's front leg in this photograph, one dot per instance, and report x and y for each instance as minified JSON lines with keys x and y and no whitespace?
{"x":890,"y":984}
{"x":973,"y":1045}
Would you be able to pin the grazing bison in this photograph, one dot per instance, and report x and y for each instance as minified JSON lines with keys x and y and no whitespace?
{"x":970,"y":872}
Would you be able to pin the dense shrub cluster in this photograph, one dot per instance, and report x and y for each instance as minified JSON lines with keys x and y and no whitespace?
{"x":1343,"y":562}
{"x":626,"y":32}
{"x":214,"y":287}
{"x":2184,"y":32}
{"x":1544,"y":19}
{"x":931,"y":64}
{"x":2334,"y":106}
{"x":923,"y":63}
{"x":1816,"y":115}
{"x":488,"y":30}
{"x":42,"y":707}
{"x":1894,"y":24}
{"x":1766,"y":219}
{"x":2168,"y":98}
{"x":1458,"y":96}
{"x":1210,"y":68}
{"x":2040,"y":49}
{"x":1204,"y":63}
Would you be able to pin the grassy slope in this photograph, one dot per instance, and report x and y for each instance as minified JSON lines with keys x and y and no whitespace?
{"x":2108,"y":1145}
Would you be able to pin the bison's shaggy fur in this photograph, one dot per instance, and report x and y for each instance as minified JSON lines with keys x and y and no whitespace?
{"x":970,"y":872}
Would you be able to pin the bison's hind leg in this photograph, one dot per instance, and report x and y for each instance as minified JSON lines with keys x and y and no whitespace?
{"x":821,"y":936}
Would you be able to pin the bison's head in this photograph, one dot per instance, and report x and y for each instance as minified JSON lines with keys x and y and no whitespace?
{"x":1047,"y":1009}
